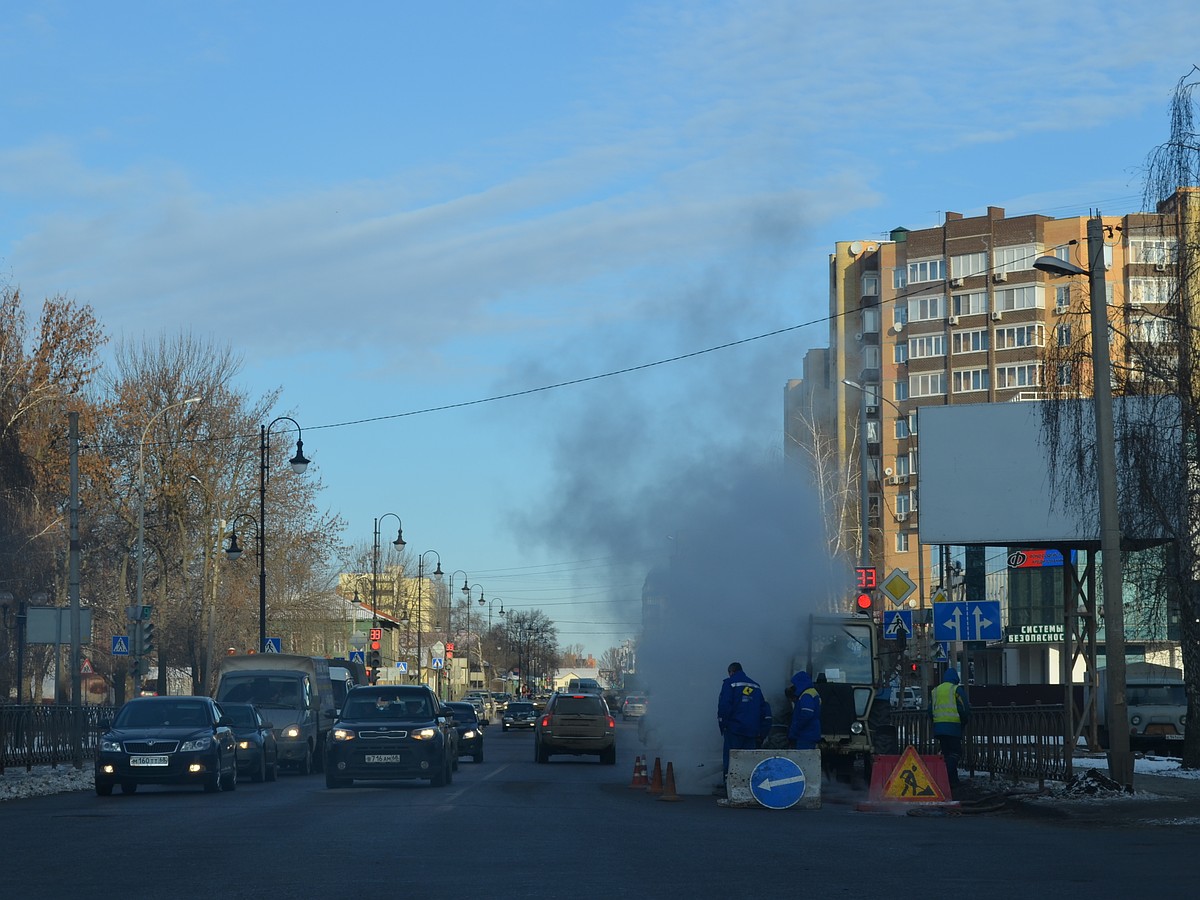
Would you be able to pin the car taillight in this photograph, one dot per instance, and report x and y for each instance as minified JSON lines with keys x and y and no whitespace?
{"x":612,"y":723}
{"x":545,"y":721}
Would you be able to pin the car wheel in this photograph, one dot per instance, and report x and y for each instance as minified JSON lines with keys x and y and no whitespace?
{"x":608,"y":756}
{"x":273,"y":770}
{"x":540,"y":753}
{"x":260,"y":774}
{"x":104,"y":788}
{"x":128,"y":787}
{"x":478,"y":757}
{"x":442,"y":778}
{"x":229,"y":782}
{"x":212,"y":783}
{"x":454,"y":765}
{"x":304,"y":767}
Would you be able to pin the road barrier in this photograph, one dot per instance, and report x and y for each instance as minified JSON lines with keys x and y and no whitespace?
{"x":37,"y":735}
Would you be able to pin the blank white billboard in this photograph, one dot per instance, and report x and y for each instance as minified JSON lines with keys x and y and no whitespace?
{"x":985,"y":476}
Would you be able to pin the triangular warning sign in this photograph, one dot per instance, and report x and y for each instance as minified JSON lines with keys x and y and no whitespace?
{"x":85,"y":667}
{"x":910,"y":780}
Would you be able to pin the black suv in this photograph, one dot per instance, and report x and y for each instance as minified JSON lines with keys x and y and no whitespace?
{"x":388,"y":732}
{"x":578,"y":724}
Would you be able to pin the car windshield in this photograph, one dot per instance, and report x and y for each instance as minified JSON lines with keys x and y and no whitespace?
{"x":582,"y":705}
{"x":520,"y":707}
{"x":464,"y":712}
{"x":261,"y":690}
{"x":360,"y":705}
{"x":154,"y":715}
{"x":240,"y":714}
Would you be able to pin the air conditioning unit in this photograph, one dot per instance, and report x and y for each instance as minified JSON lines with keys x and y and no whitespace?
{"x":1160,"y":267}
{"x":1000,"y":276}
{"x":858,"y":336}
{"x":895,"y":479}
{"x":952,"y":320}
{"x":871,"y":408}
{"x":1135,"y":304}
{"x":956,"y":282}
{"x":901,"y":516}
{"x":1059,"y":310}
{"x":997,"y":315}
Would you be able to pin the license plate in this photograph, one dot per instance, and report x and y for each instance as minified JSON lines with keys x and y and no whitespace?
{"x":382,"y":758}
{"x":148,"y":760}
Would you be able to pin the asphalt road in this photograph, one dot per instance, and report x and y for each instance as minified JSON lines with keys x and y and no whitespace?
{"x":571,"y":828}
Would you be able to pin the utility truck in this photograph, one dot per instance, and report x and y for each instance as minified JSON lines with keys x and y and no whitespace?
{"x":1156,"y":706}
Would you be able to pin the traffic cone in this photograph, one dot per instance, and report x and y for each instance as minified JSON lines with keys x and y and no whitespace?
{"x":669,"y":789}
{"x":639,"y":773}
{"x":656,"y":785}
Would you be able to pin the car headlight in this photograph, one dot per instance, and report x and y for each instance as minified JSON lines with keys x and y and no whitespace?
{"x":202,"y":743}
{"x":292,"y":731}
{"x":343,"y":734}
{"x":108,"y":745}
{"x":424,"y":734}
{"x":856,"y":727}
{"x":470,"y":734}
{"x":244,"y":745}
{"x":1136,"y":720}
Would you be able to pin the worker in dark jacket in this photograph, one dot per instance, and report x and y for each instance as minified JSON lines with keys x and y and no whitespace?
{"x":805,"y":730}
{"x":743,"y":713}
{"x":950,"y":711}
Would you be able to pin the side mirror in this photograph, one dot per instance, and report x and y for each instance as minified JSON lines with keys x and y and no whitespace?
{"x":267,"y":725}
{"x":330,"y":714}
{"x":224,"y":722}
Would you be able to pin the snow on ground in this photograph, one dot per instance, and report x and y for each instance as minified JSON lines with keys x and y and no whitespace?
{"x":16,"y":783}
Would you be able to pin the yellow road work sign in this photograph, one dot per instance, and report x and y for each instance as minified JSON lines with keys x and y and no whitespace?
{"x":910,"y":780}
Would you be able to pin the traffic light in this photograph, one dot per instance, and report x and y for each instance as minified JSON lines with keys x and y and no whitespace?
{"x":146,"y":630}
{"x":864,"y":603}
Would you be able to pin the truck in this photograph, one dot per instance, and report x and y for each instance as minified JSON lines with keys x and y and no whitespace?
{"x":1156,"y":705}
{"x":294,"y":693}
{"x":844,"y":660}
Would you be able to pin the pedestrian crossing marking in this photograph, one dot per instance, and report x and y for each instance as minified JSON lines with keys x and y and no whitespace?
{"x":910,"y":780}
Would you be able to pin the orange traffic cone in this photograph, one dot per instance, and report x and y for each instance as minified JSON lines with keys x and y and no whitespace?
{"x":639,"y":773}
{"x":669,"y":789}
{"x":656,"y":784}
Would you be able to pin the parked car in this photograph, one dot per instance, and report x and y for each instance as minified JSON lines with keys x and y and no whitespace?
{"x":257,"y":749}
{"x":578,"y":724}
{"x":519,"y":714}
{"x":167,"y":740}
{"x":480,"y":709}
{"x":470,"y":732}
{"x":634,"y":707}
{"x":909,"y":698}
{"x":391,"y":732}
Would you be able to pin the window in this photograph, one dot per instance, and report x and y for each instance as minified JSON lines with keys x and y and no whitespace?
{"x":870,"y":284}
{"x":901,"y":466}
{"x":1028,"y":296}
{"x":966,"y":380}
{"x":1063,"y":252}
{"x":902,"y":429}
{"x":928,"y":384}
{"x":1014,"y":259}
{"x":922,"y":309}
{"x":1018,"y":376}
{"x":903,"y":504}
{"x":899,"y":278}
{"x":1151,"y":290}
{"x":912,"y":423}
{"x":1064,"y":335}
{"x":972,"y":341}
{"x":926,"y":345}
{"x":901,"y":541}
{"x":968,"y":304}
{"x":926,"y":270}
{"x":872,"y":357}
{"x":1064,"y":374}
{"x":900,"y":314}
{"x":901,"y":390}
{"x":901,"y":353}
{"x":1018,"y":336}
{"x":870,"y":321}
{"x":968,"y":264}
{"x":1160,"y":251}
{"x":1151,"y":330}
{"x":1062,"y":297}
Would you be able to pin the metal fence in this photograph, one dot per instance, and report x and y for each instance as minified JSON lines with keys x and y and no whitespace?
{"x":34,"y":735}
{"x":1014,"y":742}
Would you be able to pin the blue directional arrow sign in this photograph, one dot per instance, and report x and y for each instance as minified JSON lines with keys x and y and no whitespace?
{"x":975,"y":620}
{"x":777,"y":782}
{"x":358,"y":656}
{"x":896,"y":619}
{"x":120,"y":645}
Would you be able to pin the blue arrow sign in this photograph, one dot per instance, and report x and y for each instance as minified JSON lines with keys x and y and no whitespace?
{"x":894,"y":620}
{"x":272,"y":645}
{"x":974,"y":620}
{"x":777,"y":782}
{"x":120,"y":645}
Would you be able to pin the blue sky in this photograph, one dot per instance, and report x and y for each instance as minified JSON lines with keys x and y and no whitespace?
{"x":389,"y":207}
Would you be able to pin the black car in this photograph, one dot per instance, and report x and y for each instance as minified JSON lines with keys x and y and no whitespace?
{"x":470,"y":732}
{"x":519,"y":714}
{"x":388,"y":732}
{"x":167,"y":740}
{"x":257,"y":750}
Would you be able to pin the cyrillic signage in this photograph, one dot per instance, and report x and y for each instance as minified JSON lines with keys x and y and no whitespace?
{"x":1033,"y":634}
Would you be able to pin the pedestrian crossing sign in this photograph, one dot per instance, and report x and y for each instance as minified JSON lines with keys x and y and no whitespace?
{"x":910,"y":780}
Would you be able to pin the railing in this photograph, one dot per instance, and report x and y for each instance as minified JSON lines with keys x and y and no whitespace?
{"x":33,"y":735}
{"x":1016,"y":742}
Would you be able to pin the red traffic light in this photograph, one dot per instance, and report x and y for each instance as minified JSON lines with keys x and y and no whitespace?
{"x":865,"y":603}
{"x":374,"y":645}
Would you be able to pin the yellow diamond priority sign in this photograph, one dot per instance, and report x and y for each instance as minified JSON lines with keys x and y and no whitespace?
{"x":898,"y":586}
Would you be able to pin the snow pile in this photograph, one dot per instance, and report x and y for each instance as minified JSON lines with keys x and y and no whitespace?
{"x":16,"y":783}
{"x":1091,"y":784}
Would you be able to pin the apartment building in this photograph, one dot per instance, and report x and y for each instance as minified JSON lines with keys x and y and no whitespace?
{"x":958,"y":314}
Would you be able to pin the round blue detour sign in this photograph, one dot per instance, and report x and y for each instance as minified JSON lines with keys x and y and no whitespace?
{"x":777,"y":782}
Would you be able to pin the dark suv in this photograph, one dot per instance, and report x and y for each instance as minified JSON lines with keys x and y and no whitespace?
{"x":578,"y":724}
{"x":388,"y":732}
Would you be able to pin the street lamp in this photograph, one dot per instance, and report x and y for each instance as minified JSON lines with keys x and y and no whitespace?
{"x":1120,"y":762}
{"x":298,"y":463}
{"x":234,"y":551}
{"x":141,"y":535}
{"x":420,"y":602}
